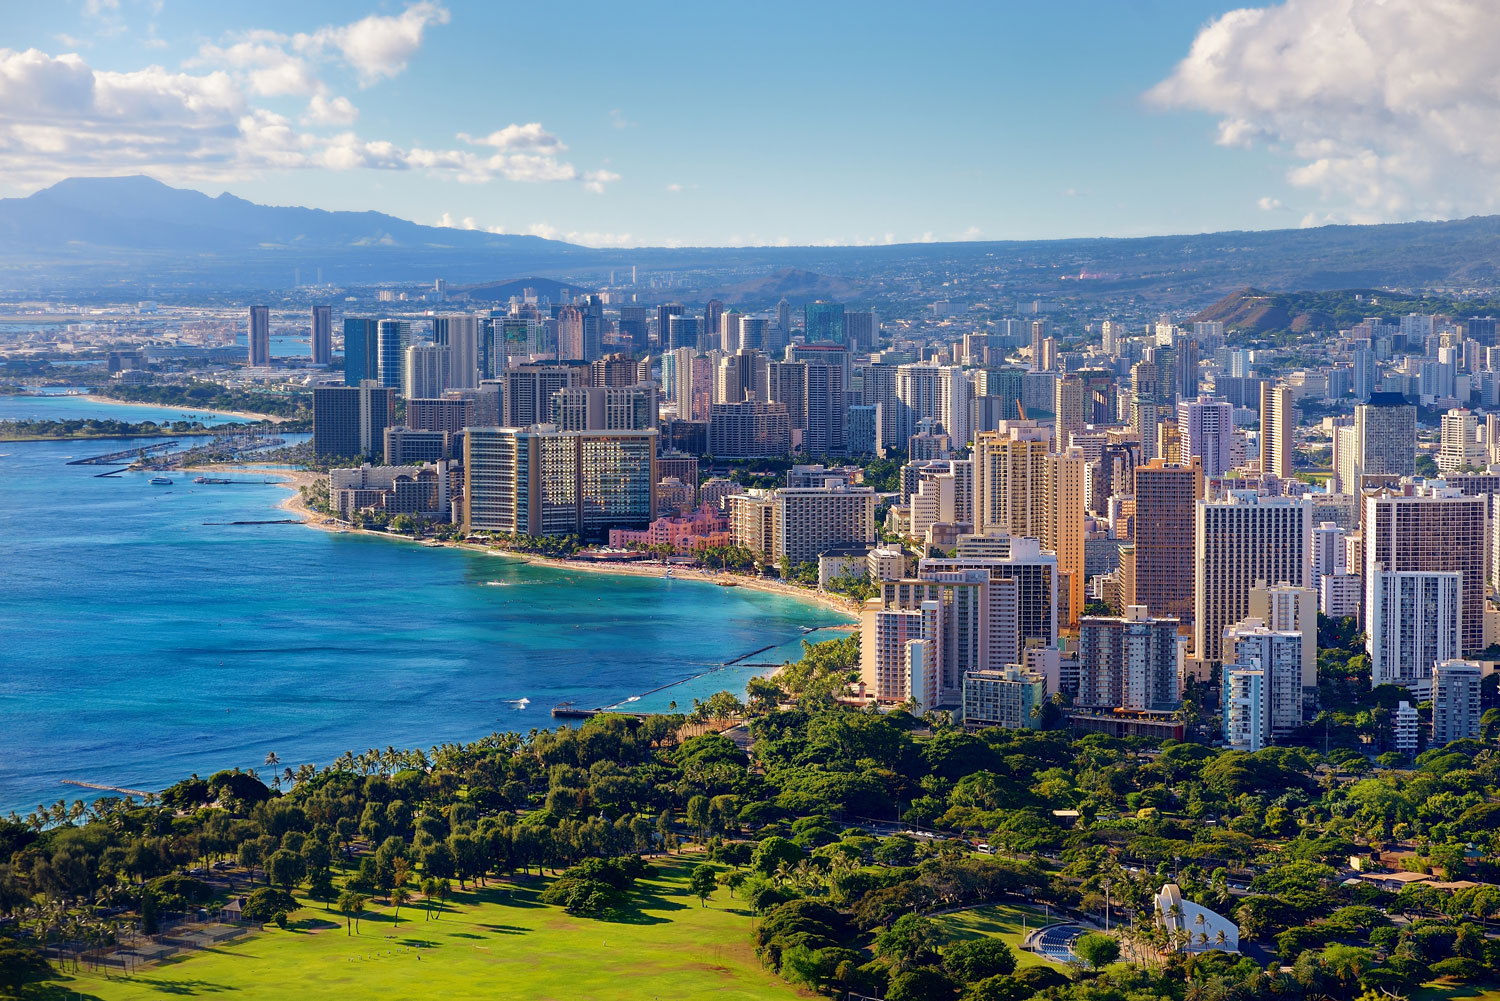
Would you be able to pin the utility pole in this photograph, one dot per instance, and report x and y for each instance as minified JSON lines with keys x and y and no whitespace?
{"x":1106,"y":906}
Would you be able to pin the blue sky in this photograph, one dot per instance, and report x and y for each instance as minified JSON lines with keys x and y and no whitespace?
{"x":707,"y":123}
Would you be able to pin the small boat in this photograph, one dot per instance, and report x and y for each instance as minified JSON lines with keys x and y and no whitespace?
{"x":160,"y":481}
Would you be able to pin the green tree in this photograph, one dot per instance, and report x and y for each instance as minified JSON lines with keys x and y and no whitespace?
{"x":702,"y":883}
{"x":1096,"y":950}
{"x":978,"y":959}
{"x":909,"y":942}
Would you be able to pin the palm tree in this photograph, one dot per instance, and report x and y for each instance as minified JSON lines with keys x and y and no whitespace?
{"x":351,"y":904}
{"x":429,"y":892}
{"x":272,"y":760}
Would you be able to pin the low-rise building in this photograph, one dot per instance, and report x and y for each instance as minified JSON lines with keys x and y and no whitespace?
{"x":1009,"y":697}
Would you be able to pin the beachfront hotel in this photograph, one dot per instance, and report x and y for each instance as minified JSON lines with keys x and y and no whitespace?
{"x":540,"y":480}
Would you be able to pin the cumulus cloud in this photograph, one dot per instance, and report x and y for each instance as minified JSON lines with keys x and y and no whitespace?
{"x":1269,"y":204}
{"x":323,"y":110}
{"x":379,"y":45}
{"x":530,"y":136}
{"x":60,"y":117}
{"x":1386,"y":109}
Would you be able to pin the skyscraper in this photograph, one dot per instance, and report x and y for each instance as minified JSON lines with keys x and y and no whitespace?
{"x":633,"y":326}
{"x":1069,"y":397}
{"x":426,"y":370}
{"x":824,"y":322}
{"x":1207,"y":429}
{"x":664,"y":314}
{"x":260,"y":336}
{"x":1385,"y":430}
{"x":350,"y":421}
{"x":1430,"y":529}
{"x":682,"y":332}
{"x":464,"y":337}
{"x":393,"y":336}
{"x":322,"y":335}
{"x":361,"y":354}
{"x":713,"y":313}
{"x":1132,"y":662}
{"x":825,"y":409}
{"x":1278,"y":428}
{"x":1166,"y":497}
{"x":1242,"y":540}
{"x":527,"y":399}
{"x":1455,"y":701}
{"x":1145,"y":404}
{"x":539,"y":480}
{"x":1413,"y":620}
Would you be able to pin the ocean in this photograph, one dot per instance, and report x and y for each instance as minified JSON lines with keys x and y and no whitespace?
{"x":144,"y":637}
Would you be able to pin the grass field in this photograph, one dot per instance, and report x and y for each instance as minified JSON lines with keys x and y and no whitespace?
{"x":496,"y":943}
{"x":1003,"y":921}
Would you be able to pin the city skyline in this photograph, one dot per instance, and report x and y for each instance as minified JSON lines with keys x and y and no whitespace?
{"x":1158,"y":118}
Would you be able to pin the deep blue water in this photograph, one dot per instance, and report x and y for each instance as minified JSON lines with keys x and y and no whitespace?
{"x":139,"y":644}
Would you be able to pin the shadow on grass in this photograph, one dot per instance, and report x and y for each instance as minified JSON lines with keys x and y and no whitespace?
{"x":184,"y":987}
{"x":506,"y":929}
{"x":465,"y":934}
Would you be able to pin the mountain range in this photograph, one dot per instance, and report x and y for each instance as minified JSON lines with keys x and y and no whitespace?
{"x":102,"y":236}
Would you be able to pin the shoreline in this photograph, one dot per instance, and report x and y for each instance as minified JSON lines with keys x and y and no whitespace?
{"x":110,"y":400}
{"x":293,"y":480}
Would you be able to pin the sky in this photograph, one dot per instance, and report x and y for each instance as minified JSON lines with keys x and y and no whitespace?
{"x":832,"y":122}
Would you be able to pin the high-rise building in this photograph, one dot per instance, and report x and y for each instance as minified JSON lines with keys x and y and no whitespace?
{"x":1161,"y":571}
{"x":683,"y":332}
{"x":900,"y":653}
{"x":427,"y":371}
{"x":539,"y":480}
{"x":752,"y":334}
{"x":260,"y":336}
{"x":1245,"y":702}
{"x":801,"y":523}
{"x":465,"y":340}
{"x":393,"y":337}
{"x":1459,"y":446}
{"x":918,"y":398}
{"x":634,"y":328}
{"x":350,"y":421}
{"x":727,"y":338}
{"x":1007,"y":697}
{"x":1278,"y":429}
{"x":861,"y":330}
{"x":955,"y":395}
{"x":1207,"y":429}
{"x":527,"y":398}
{"x":1430,"y":529}
{"x":1068,"y":406}
{"x":1146,"y":406}
{"x":1329,"y":551}
{"x":1132,"y":662}
{"x":969,"y":624}
{"x":1283,"y":608}
{"x":1240,"y":541}
{"x":1255,"y":645}
{"x":1385,"y":439}
{"x":826,"y":412}
{"x":605,"y":408}
{"x":824,"y":323}
{"x":749,"y":429}
{"x":1455,"y":701}
{"x":449,"y":413}
{"x":1066,"y":486}
{"x":361,"y":354}
{"x":1034,"y":572}
{"x":713,"y":314}
{"x":322,"y":335}
{"x":1010,"y":480}
{"x":664,"y":314}
{"x":1413,"y":620}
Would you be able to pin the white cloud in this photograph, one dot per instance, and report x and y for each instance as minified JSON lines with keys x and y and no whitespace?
{"x":618,"y":120}
{"x":1269,"y":204}
{"x":595,"y":180}
{"x":378,"y":45}
{"x":530,"y":136}
{"x":93,"y":8}
{"x":927,"y":238}
{"x":60,"y":117}
{"x":267,"y":68}
{"x":1386,"y":108}
{"x":674,"y":188}
{"x":330,"y":111}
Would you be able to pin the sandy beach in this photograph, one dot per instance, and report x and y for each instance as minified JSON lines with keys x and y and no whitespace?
{"x":111,"y":401}
{"x":294,"y":480}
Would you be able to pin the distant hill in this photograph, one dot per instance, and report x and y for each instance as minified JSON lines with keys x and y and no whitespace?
{"x":101,"y":238}
{"x":502,"y":291}
{"x":1254,"y":312}
{"x":793,"y":284}
{"x":142,"y":214}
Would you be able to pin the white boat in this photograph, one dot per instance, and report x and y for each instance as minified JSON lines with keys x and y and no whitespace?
{"x":160,"y":481}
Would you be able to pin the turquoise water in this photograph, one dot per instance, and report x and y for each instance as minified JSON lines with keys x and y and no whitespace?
{"x":138,"y":644}
{"x":58,"y":407}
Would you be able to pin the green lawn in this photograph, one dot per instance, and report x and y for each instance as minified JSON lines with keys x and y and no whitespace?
{"x":1446,"y":990}
{"x":1002,"y":921}
{"x":496,"y":943}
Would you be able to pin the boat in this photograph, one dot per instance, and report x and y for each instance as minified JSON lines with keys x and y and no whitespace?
{"x":160,"y":481}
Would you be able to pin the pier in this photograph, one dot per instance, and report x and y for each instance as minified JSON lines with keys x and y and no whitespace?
{"x":124,"y":455}
{"x":104,"y":788}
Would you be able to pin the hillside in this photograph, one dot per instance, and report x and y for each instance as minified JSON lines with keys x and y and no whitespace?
{"x":1253,"y":312}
